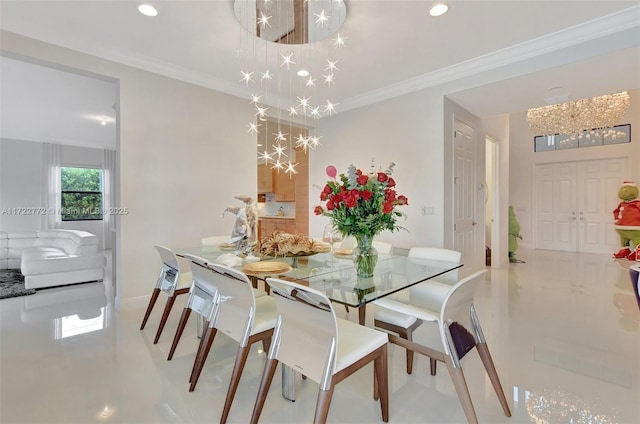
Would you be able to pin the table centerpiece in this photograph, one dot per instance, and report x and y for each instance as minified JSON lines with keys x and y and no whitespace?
{"x":362,"y":205}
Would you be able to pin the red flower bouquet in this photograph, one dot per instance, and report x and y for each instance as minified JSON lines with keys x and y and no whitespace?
{"x":362,"y":205}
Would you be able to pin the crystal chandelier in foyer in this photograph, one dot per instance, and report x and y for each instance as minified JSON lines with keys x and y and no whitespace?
{"x":573,"y":117}
{"x":291,"y":60}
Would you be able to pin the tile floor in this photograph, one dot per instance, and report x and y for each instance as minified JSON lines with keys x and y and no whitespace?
{"x":564,"y":330}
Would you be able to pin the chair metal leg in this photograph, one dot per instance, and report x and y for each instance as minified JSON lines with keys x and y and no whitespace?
{"x":322,"y":405}
{"x":462,"y":390}
{"x":485,"y":355}
{"x":165,"y":316}
{"x":201,"y":357}
{"x":152,"y":302}
{"x":265,"y":383}
{"x":186,"y":312}
{"x":241,"y":359}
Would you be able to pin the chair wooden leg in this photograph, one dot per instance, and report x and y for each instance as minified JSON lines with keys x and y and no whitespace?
{"x":186,"y":312}
{"x":405,"y":333}
{"x":462,"y":390}
{"x":201,"y":357}
{"x":432,"y":366}
{"x":203,"y":337}
{"x":165,"y":316}
{"x":362,"y":313}
{"x":266,"y":343}
{"x":152,"y":302}
{"x":485,"y":355}
{"x":265,"y":383}
{"x":322,"y":405}
{"x":241,"y":359}
{"x":381,"y":382}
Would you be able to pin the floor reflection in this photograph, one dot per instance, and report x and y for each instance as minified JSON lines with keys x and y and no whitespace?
{"x":76,"y":309}
{"x":563,"y":329}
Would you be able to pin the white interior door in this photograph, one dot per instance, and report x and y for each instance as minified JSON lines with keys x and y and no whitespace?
{"x":599,"y":182}
{"x":465,"y":226}
{"x":574,"y":204}
{"x":556,"y":206}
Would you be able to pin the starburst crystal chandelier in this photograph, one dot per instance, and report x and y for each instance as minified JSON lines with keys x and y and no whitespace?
{"x":573,"y":117}
{"x":290,"y":54}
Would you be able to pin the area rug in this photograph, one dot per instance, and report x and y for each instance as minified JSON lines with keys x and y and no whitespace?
{"x":12,"y":284}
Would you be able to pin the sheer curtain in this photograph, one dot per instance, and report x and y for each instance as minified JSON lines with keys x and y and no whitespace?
{"x":108,"y":195}
{"x":51,"y":186}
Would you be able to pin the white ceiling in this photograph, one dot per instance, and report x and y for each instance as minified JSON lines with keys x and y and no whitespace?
{"x":490,"y":56}
{"x":43,"y":104}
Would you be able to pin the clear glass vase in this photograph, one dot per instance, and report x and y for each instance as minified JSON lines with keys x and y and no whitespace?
{"x":365,"y":256}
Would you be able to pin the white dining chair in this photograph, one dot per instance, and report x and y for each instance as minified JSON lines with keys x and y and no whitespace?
{"x":326,"y":349}
{"x":239,"y":314}
{"x":429,"y":294}
{"x":202,"y":297}
{"x":383,"y":247}
{"x":449,"y":333}
{"x":173,"y":280}
{"x":634,"y":274}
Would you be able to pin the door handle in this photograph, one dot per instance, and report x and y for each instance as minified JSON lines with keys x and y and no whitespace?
{"x":474,"y":223}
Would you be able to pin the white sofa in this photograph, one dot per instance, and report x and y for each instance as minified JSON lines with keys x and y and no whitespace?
{"x":53,"y":257}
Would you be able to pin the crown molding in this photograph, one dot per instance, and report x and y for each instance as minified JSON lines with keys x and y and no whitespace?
{"x":587,"y":31}
{"x":142,"y":62}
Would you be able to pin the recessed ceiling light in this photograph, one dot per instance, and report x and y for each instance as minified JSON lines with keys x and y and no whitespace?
{"x":147,"y":10}
{"x":303,"y":73}
{"x":438,"y":9}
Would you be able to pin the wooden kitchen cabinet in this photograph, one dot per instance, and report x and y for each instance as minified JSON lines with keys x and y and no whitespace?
{"x":270,"y":225}
{"x":284,"y":186}
{"x":265,"y":179}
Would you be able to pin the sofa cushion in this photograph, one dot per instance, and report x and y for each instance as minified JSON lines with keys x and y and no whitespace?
{"x":77,"y":236}
{"x":21,"y":243}
{"x":46,"y":260}
{"x":74,"y":242}
{"x":13,"y":236}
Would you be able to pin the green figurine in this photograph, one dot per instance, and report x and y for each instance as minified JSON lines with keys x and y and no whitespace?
{"x":514,"y":235}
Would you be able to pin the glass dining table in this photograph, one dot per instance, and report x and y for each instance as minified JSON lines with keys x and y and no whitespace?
{"x":333,"y":275}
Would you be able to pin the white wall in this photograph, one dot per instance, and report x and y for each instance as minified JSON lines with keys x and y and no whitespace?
{"x":183,"y":154}
{"x":20,"y":182}
{"x":497,"y":127}
{"x":523,"y":162}
{"x":406,"y":130}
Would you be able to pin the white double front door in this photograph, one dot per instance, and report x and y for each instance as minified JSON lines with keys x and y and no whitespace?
{"x":574,"y":203}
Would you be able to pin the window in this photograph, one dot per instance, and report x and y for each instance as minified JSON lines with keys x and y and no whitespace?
{"x":81,"y":194}
{"x":614,"y":135}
